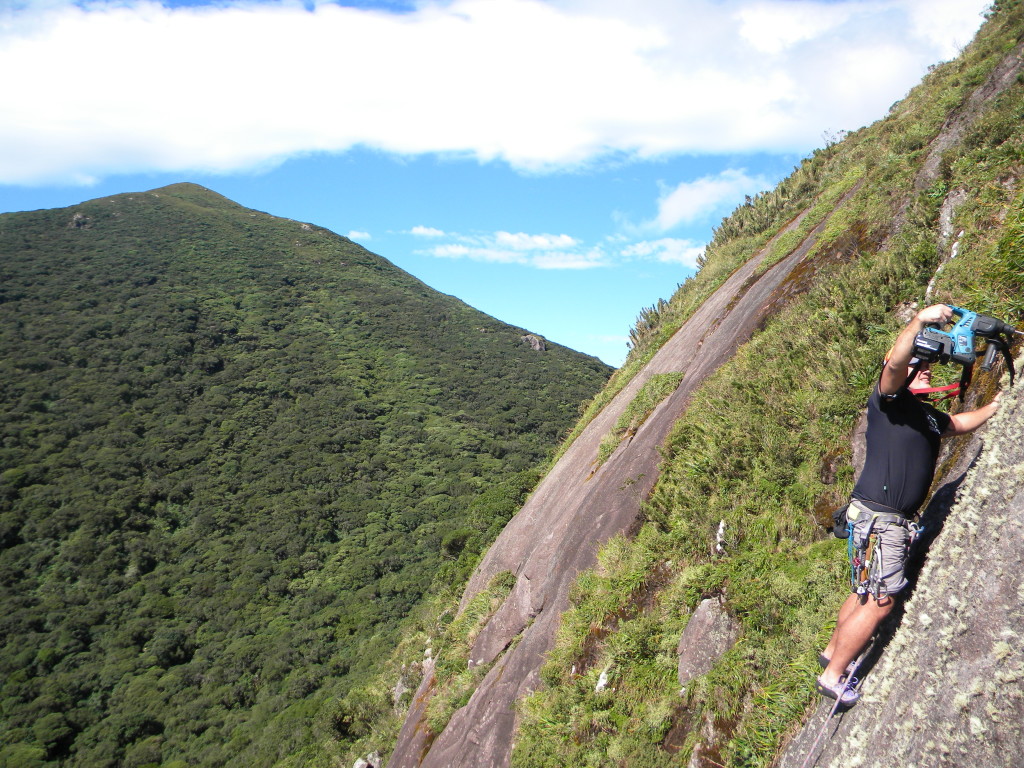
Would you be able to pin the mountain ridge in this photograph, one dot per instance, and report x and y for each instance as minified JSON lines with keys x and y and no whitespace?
{"x":922,"y":206}
{"x":236,"y":448}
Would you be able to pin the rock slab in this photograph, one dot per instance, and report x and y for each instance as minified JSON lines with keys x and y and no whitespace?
{"x":709,"y":634}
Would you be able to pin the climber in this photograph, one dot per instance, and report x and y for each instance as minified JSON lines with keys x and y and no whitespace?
{"x":903,"y":434}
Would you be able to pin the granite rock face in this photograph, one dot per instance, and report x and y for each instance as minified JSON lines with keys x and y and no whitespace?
{"x":948,"y":690}
{"x":534,"y":342}
{"x":709,"y":633}
{"x":575,"y":510}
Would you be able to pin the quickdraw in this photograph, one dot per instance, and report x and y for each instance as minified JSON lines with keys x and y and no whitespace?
{"x":867,"y":574}
{"x":866,"y":563}
{"x":938,"y":394}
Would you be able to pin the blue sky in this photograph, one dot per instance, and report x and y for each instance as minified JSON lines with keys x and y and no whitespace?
{"x":558,"y":164}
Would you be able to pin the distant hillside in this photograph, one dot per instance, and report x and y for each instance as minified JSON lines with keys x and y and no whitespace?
{"x":236,"y":452}
{"x":700,"y":481}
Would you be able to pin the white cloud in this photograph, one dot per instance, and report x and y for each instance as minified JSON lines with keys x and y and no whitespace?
{"x":450,"y":251}
{"x":481,"y":252}
{"x":538,"y":251}
{"x":419,"y":231}
{"x":565,"y":252}
{"x":521,"y":241}
{"x":693,"y":200}
{"x":562,"y":260}
{"x":355,"y":234}
{"x":947,"y":25}
{"x":128,"y":86}
{"x":667,"y":250}
{"x":773,"y":27}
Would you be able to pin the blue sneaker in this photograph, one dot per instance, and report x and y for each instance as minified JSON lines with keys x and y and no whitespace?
{"x":841,"y":692}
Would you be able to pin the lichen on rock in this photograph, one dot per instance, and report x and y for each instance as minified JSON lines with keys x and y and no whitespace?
{"x":946,"y":690}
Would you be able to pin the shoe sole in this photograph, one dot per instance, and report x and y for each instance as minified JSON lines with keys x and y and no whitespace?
{"x":830,"y":693}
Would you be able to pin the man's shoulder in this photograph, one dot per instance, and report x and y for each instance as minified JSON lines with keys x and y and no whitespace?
{"x":904,"y":407}
{"x":941,"y":417}
{"x":880,"y":399}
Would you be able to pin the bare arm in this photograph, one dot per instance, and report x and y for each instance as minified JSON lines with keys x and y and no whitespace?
{"x":962,"y":423}
{"x":894,"y":374}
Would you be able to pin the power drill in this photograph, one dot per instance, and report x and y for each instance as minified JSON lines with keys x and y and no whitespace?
{"x":957,"y":344}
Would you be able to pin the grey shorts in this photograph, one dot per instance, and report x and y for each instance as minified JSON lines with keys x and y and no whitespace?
{"x":893,"y":546}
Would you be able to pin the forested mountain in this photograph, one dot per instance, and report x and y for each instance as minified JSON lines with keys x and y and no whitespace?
{"x":662,"y":596}
{"x":236,"y":451}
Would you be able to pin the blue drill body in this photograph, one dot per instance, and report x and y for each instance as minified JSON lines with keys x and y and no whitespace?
{"x":957,"y":344}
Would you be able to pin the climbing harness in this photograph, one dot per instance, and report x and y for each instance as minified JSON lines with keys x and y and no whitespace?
{"x":867,"y":569}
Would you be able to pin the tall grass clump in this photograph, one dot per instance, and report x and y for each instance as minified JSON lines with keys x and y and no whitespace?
{"x":656,"y":389}
{"x":764,"y":446}
{"x":455,"y":676}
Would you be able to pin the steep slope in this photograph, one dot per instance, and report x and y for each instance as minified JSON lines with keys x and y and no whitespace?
{"x":576,"y":508}
{"x":724,"y":491}
{"x":236,"y":452}
{"x":946,"y":691}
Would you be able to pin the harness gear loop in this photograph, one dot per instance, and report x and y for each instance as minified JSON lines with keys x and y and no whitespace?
{"x":867,"y":575}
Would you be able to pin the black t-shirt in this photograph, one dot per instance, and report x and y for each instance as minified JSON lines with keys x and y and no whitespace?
{"x":902,"y":437}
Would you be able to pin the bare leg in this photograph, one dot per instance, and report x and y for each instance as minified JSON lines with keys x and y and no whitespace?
{"x":844,"y":614}
{"x":852,"y":634}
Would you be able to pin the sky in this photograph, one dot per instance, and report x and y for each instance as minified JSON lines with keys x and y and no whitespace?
{"x":557,"y":164}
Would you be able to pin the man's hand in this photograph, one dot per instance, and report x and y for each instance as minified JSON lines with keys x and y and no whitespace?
{"x":962,"y":423}
{"x":895,"y":373}
{"x":936,"y":313}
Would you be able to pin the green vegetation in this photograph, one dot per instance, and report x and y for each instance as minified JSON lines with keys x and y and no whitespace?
{"x":241,"y":455}
{"x":656,"y":389}
{"x":237,"y":453}
{"x":764,"y":447}
{"x":455,"y":673}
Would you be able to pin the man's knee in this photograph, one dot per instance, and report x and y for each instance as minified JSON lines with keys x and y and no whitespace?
{"x":881,"y":605}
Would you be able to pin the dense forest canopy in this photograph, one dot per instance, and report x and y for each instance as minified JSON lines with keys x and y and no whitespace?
{"x":236,"y":451}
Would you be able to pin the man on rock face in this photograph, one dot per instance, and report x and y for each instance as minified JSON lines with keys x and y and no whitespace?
{"x":903,"y":435}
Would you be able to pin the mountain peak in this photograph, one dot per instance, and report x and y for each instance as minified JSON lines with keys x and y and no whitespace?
{"x":239,"y":450}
